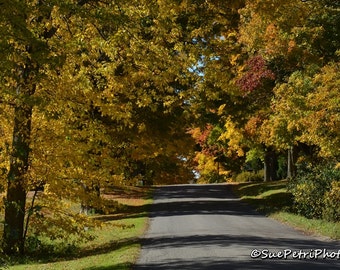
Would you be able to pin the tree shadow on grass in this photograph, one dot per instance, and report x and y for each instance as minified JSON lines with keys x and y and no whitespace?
{"x":129,"y":211}
{"x":107,"y":247}
{"x":130,"y":192}
{"x":78,"y":253}
{"x":72,"y":252}
{"x":281,"y":201}
{"x":253,"y":189}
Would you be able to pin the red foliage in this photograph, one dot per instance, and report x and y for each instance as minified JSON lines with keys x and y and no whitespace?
{"x":256,"y":74}
{"x":201,"y":138}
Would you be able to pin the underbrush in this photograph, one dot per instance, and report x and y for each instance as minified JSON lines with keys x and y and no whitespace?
{"x":316,"y":192}
{"x":112,"y":245}
{"x":249,"y":176}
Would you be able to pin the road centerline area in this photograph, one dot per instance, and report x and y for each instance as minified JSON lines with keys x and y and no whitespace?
{"x":207,"y":227}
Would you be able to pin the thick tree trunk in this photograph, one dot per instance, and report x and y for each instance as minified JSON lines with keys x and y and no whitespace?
{"x":270,"y":165}
{"x":16,"y":194}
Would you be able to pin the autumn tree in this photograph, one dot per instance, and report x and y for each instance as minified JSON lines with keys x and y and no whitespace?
{"x":247,"y":66}
{"x":294,"y":46}
{"x":91,"y":86}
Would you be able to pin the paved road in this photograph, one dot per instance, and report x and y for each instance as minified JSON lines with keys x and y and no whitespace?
{"x":206,"y":227}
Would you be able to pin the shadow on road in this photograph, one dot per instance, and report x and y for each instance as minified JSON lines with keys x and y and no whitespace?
{"x":194,"y":191}
{"x":202,"y":207}
{"x":208,"y":264}
{"x":249,"y":241}
{"x":197,"y":199}
{"x":208,"y":200}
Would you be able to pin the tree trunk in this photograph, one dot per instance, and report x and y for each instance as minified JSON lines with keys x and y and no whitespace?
{"x":291,"y":168}
{"x":90,"y":198}
{"x":270,"y":165}
{"x":13,"y":237}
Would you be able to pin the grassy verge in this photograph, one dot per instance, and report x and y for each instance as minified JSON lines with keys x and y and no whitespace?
{"x":116,"y":244}
{"x":273,"y":199}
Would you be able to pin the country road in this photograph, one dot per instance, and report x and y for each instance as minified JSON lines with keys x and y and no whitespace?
{"x":207,"y":227}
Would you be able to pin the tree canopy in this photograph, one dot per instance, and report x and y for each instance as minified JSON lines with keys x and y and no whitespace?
{"x":96,"y":93}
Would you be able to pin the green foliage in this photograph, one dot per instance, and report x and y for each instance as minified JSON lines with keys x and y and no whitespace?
{"x":249,"y":177}
{"x":282,"y":167}
{"x":315,"y":192}
{"x":212,"y":177}
{"x":3,"y":260}
{"x":253,"y":156}
{"x":332,"y":203}
{"x":37,"y":247}
{"x":308,"y":197}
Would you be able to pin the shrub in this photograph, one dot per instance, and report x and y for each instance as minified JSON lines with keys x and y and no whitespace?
{"x":3,"y":260}
{"x":212,"y":177}
{"x":215,"y":177}
{"x":42,"y":247}
{"x":308,"y":198}
{"x":312,"y":193}
{"x":249,"y":177}
{"x":332,"y":203}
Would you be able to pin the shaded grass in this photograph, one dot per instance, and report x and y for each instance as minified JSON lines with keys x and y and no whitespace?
{"x":113,"y":253}
{"x":116,"y":245}
{"x":273,"y":199}
{"x":266,"y":197}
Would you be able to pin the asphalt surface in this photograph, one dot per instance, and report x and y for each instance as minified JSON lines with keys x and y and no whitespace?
{"x":206,"y":227}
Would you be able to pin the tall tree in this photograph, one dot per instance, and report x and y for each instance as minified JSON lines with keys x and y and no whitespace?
{"x":87,"y":82}
{"x":295,"y":45}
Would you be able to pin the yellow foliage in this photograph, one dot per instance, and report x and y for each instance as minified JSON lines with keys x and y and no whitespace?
{"x":206,"y":164}
{"x":323,"y":119}
{"x":234,"y":138}
{"x":56,"y":220}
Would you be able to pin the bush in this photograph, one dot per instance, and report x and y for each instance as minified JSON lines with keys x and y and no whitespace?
{"x":212,"y":177}
{"x":332,"y":203}
{"x":308,"y":198}
{"x":3,"y":260}
{"x":312,"y":191}
{"x":45,"y":248}
{"x":249,"y":177}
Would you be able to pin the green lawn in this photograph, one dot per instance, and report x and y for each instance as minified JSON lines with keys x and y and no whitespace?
{"x":115,"y":249}
{"x":116,"y":246}
{"x":273,"y":199}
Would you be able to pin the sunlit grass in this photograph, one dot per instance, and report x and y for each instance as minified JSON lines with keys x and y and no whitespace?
{"x":273,"y":199}
{"x":116,"y":244}
{"x":313,"y":226}
{"x":114,"y":248}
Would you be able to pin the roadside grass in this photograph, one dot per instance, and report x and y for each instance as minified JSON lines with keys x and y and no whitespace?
{"x":116,"y":244}
{"x":273,"y":199}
